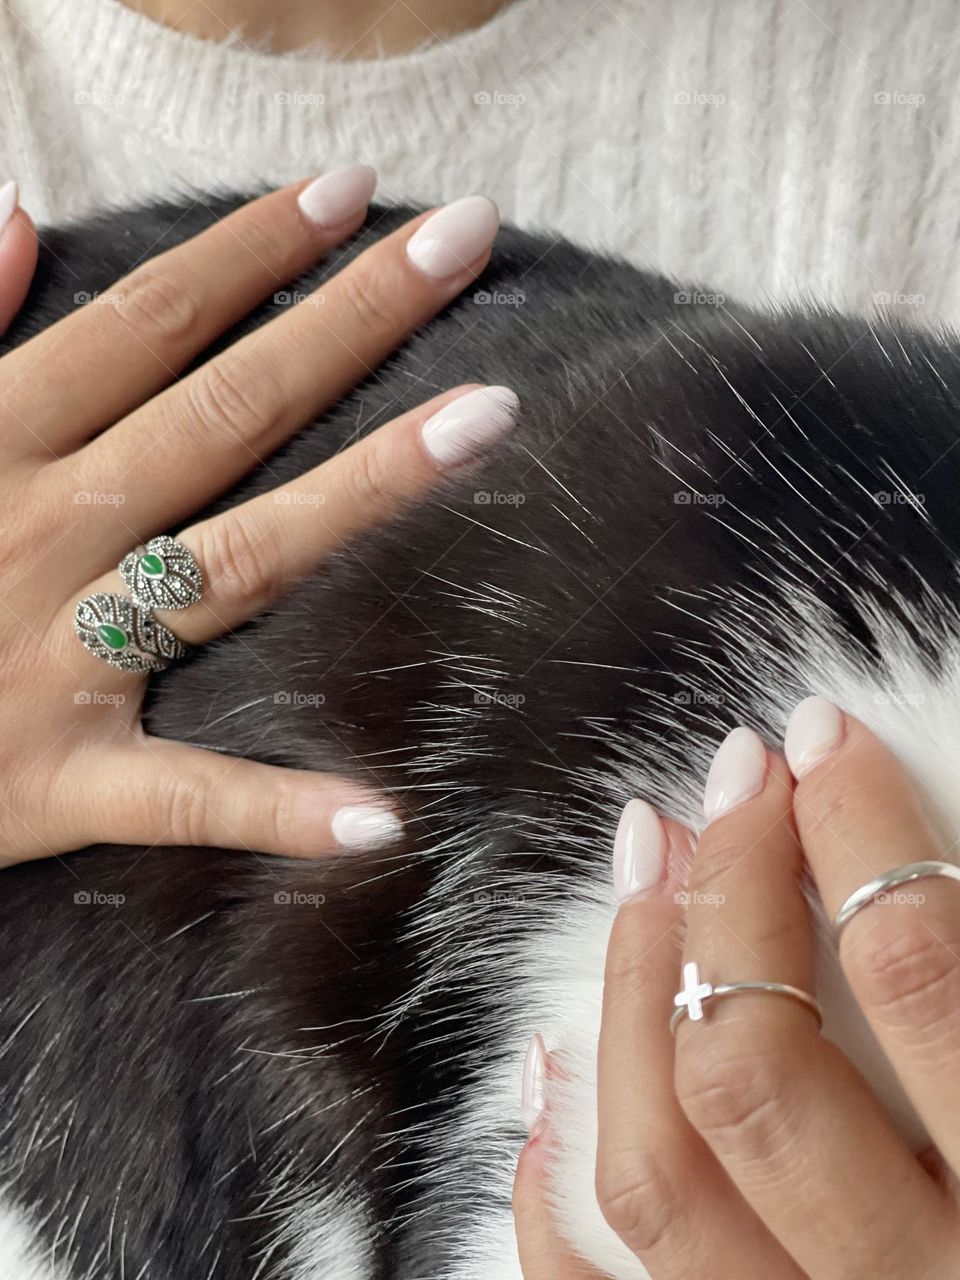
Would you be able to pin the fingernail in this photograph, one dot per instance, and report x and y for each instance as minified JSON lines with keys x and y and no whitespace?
{"x":454,"y":237}
{"x":639,"y":850}
{"x":9,"y":196}
{"x":360,"y":826}
{"x":533,"y":1094}
{"x":338,"y":196}
{"x":736,"y":774}
{"x":467,"y":425}
{"x":815,"y":728}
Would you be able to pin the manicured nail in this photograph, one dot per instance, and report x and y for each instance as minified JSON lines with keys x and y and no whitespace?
{"x":639,"y":851}
{"x":737,"y":773}
{"x":9,"y":195}
{"x":467,"y":425}
{"x":534,"y":1093}
{"x":361,"y":826}
{"x":815,"y":728}
{"x":454,"y":237}
{"x":339,"y":196}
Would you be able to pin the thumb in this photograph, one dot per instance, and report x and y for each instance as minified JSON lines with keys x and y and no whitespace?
{"x":543,"y":1253}
{"x":18,"y":254}
{"x":154,"y":791}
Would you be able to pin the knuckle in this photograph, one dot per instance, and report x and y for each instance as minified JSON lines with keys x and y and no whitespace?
{"x":826,"y":802}
{"x":266,"y":238}
{"x":637,"y":953}
{"x":636,"y":1198}
{"x":730,"y":1094}
{"x":907,"y":972}
{"x":183,"y":809}
{"x":370,"y":479}
{"x":239,"y":399}
{"x":239,"y":560}
{"x":157,"y":306}
{"x":363,"y":295}
{"x":279,"y":817}
{"x":718,"y":854}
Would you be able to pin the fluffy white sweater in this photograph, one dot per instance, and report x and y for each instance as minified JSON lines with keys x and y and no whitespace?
{"x":761,"y":149}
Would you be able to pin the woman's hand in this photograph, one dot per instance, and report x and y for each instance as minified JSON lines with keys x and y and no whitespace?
{"x":749,"y":1145}
{"x":103,"y":446}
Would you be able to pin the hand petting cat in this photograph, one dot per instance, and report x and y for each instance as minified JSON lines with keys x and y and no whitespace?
{"x":111,"y":435}
{"x":734,"y":1139}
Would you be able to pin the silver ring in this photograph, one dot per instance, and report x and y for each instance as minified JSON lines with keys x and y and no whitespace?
{"x":874,"y":889}
{"x":162,"y":575}
{"x":127,"y":637}
{"x":691,"y":998}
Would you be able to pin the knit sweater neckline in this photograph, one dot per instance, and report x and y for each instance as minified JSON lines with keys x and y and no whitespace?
{"x":205,"y":94}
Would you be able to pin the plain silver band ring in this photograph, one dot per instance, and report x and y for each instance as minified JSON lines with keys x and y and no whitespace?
{"x":869,"y":892}
{"x":768,"y":988}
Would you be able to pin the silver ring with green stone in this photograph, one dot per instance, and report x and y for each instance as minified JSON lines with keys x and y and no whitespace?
{"x":162,"y":575}
{"x":119,"y":632}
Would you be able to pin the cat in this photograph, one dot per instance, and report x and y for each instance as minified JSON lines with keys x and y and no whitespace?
{"x":217,"y":1066}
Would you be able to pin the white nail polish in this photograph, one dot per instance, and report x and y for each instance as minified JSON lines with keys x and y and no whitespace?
{"x":339,"y":196}
{"x":814,"y":729}
{"x":454,"y":237}
{"x":360,"y":826}
{"x":467,"y":425}
{"x":9,"y":197}
{"x":639,"y":850}
{"x":534,"y":1090}
{"x":737,"y":773}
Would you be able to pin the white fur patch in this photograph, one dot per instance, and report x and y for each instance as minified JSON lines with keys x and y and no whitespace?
{"x":331,"y":1236}
{"x":21,"y":1255}
{"x":557,"y":981}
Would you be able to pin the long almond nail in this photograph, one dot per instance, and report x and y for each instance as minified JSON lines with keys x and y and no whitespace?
{"x":9,"y":197}
{"x":534,"y":1090}
{"x":468,"y":425}
{"x":639,"y":851}
{"x":454,"y":237}
{"x":361,"y":826}
{"x":815,"y":728}
{"x":339,"y":196}
{"x":737,"y":773}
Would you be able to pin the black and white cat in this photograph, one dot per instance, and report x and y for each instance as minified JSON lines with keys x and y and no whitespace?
{"x":221,"y":1067}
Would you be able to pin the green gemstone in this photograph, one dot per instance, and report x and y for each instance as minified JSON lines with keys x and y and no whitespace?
{"x":113,"y":637}
{"x":153,"y":566}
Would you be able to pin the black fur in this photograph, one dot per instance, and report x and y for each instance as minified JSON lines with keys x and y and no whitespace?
{"x":487,"y":677}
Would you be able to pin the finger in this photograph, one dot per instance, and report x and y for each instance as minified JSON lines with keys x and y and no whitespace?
{"x":18,"y":254}
{"x":858,"y":816}
{"x":226,"y":417}
{"x":658,"y":1185}
{"x":94,"y":366}
{"x":250,"y":554}
{"x":543,"y":1253}
{"x":790,"y":1120}
{"x":157,"y":792}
